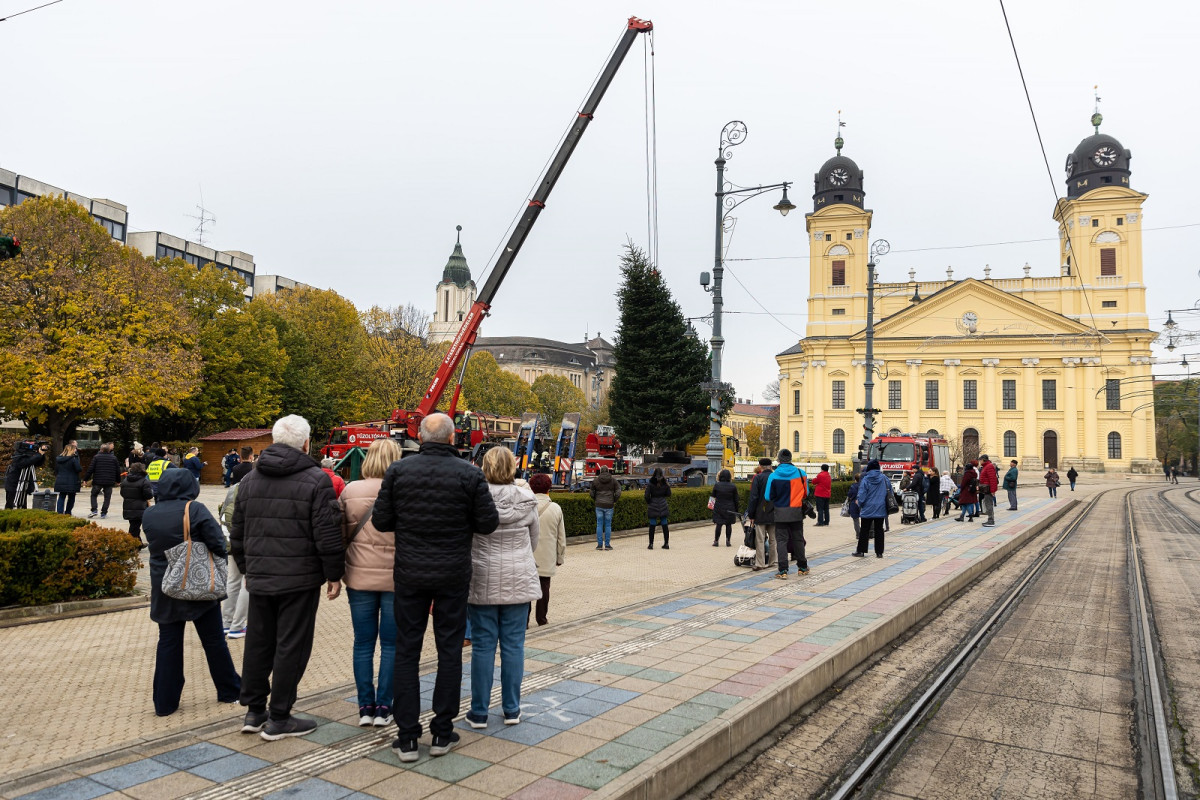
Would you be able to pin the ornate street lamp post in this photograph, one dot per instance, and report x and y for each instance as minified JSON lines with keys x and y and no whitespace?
{"x":729,"y":197}
{"x":879,"y":248}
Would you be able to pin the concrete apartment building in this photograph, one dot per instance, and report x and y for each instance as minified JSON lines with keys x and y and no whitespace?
{"x":16,"y":189}
{"x":156,"y":244}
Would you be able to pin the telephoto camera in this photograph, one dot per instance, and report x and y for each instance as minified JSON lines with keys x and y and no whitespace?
{"x":31,"y":446}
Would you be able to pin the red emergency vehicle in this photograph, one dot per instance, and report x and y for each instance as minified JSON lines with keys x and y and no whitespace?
{"x":907,"y":452}
{"x":345,"y":438}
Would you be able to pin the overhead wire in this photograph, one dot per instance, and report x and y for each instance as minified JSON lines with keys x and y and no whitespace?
{"x":28,"y":10}
{"x":651,"y":113}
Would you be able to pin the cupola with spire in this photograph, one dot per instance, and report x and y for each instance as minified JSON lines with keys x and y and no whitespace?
{"x":1099,"y":160}
{"x":839,"y":180}
{"x":457,"y":271}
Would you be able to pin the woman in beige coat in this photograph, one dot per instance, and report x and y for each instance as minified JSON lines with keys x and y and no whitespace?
{"x":370,"y":557}
{"x":552,"y":541}
{"x":504,"y":581}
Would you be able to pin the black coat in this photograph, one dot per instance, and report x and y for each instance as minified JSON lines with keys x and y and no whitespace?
{"x":657,"y":505}
{"x":757,"y":508}
{"x":105,"y":470}
{"x":67,"y":478}
{"x":135,"y":492}
{"x":435,"y":502}
{"x":163,"y":526}
{"x":19,"y":462}
{"x":726,"y":508}
{"x":240,"y":471}
{"x":287,"y":526}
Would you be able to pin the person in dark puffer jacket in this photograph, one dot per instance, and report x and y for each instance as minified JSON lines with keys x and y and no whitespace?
{"x":286,"y":539}
{"x":104,"y":472}
{"x":436,"y":503}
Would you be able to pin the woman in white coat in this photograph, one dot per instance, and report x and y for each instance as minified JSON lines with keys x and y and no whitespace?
{"x":552,"y":543}
{"x":504,"y":581}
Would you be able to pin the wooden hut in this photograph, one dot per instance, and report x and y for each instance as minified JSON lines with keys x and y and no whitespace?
{"x":213,"y":449}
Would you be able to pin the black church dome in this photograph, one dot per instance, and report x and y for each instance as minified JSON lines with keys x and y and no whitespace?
{"x":1099,"y":160}
{"x":839,"y":180}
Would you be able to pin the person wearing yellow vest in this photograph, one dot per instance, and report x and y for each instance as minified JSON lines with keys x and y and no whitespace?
{"x":155,"y":470}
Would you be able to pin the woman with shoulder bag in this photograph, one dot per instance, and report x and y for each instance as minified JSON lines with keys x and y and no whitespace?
{"x":163,"y":525}
{"x":370,"y":587}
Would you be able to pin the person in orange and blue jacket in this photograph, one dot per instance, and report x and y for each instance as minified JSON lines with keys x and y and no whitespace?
{"x":787,"y":490}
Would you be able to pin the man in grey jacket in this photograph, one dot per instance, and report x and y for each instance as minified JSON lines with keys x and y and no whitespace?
{"x":605,"y":493}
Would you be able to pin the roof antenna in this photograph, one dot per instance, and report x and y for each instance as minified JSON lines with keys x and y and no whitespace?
{"x":202,"y":219}
{"x":1097,"y":117}
{"x":839,"y":141}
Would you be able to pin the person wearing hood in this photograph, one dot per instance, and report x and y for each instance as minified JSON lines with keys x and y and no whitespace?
{"x":66,"y":479}
{"x":552,"y":541}
{"x":762,"y":517}
{"x":286,"y":539}
{"x":605,"y":493}
{"x":339,"y":483}
{"x":163,"y":525}
{"x":504,"y":581}
{"x":787,"y":490}
{"x":968,"y":487}
{"x":658,"y":506}
{"x":136,"y":494}
{"x":872,"y":504}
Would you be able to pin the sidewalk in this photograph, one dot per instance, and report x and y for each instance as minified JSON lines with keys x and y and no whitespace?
{"x":675,"y":675}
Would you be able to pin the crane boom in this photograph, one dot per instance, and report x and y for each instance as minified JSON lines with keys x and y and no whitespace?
{"x":469,"y":329}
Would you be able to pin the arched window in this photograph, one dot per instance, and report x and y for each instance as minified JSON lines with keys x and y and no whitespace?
{"x":1010,"y":444}
{"x":970,"y":444}
{"x":839,"y":441}
{"x":1114,"y":445}
{"x":795,"y":441}
{"x":932,"y":432}
{"x":894,"y":432}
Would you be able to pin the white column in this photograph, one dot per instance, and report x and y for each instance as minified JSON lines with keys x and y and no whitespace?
{"x":918,"y":398}
{"x":1031,"y":458}
{"x":952,"y":365}
{"x":1141,"y":427}
{"x":987,"y":397}
{"x":816,"y":439}
{"x":1070,"y":447}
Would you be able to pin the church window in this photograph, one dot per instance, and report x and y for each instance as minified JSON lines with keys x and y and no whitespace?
{"x":839,"y":197}
{"x":839,"y":394}
{"x":839,"y":441}
{"x":1010,"y":444}
{"x":1049,"y":394}
{"x":795,"y":401}
{"x":839,"y":273}
{"x":849,"y":237}
{"x":893,"y":395}
{"x":931,"y":395}
{"x":1108,"y":261}
{"x":1114,"y":445}
{"x":446,"y":305}
{"x":970,"y":394}
{"x":796,"y":440}
{"x":829,"y":237}
{"x":1095,"y":222}
{"x":1120,"y":220}
{"x":1112,"y":394}
{"x":838,"y":312}
{"x":1108,"y":303}
{"x":1008,"y":395}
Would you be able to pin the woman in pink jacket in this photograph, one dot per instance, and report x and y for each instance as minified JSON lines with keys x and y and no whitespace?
{"x":370,"y":557}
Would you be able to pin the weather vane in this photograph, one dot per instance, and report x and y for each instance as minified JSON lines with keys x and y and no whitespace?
{"x":839,"y":141}
{"x":1097,"y":117}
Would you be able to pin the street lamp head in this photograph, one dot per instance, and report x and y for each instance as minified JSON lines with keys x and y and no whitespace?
{"x":1170,"y":344}
{"x":784,"y":205}
{"x":705,"y":278}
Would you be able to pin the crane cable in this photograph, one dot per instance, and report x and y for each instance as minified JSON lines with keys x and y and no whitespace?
{"x":651,"y":150}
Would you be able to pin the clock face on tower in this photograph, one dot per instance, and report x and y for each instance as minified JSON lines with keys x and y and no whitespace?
{"x":1105,"y":156}
{"x":1070,"y":165}
{"x":839,"y":176}
{"x":970,"y":321}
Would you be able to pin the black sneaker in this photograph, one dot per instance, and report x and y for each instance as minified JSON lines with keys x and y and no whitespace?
{"x":406,"y":750}
{"x":292,"y":726}
{"x":254,"y":721}
{"x":443,"y":744}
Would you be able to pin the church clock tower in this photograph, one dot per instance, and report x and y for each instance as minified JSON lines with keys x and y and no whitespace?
{"x":454,"y":295}
{"x":839,"y":230}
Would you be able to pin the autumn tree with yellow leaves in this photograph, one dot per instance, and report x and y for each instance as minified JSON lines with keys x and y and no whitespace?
{"x":88,"y":328}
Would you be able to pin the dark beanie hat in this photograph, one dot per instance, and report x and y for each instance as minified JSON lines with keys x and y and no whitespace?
{"x":785,"y":456}
{"x":540,"y":483}
{"x":764,"y":462}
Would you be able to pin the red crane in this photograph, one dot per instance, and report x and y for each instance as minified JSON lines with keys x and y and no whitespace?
{"x":465,"y":338}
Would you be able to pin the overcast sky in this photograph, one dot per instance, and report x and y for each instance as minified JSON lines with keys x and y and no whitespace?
{"x":341,"y":142}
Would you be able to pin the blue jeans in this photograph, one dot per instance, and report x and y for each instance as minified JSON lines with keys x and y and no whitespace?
{"x":66,"y":502}
{"x":373,"y":616}
{"x":603,"y":527}
{"x":505,"y":624}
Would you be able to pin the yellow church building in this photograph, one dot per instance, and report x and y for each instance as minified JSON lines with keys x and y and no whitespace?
{"x":1049,"y":369}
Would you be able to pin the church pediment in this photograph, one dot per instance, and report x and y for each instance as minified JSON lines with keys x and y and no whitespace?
{"x":973,"y":309}
{"x":838,"y":373}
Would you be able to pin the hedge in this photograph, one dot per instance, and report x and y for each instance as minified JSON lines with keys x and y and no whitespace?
{"x":684,"y":505}
{"x":51,"y":558}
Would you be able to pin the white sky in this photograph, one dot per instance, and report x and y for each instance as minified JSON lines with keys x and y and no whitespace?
{"x":341,"y":142}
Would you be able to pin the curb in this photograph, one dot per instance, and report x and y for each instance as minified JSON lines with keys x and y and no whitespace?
{"x":11,"y":617}
{"x":677,"y":769}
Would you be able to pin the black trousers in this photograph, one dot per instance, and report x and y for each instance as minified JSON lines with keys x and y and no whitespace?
{"x":279,"y":638}
{"x":449,"y":628}
{"x":870,"y":528}
{"x":822,"y":510}
{"x":168,"y":661}
{"x":542,"y":604}
{"x":107,"y":497}
{"x":790,"y":535}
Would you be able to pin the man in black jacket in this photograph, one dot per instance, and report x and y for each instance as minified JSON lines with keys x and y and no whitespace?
{"x":436,"y":502}
{"x":762,"y":517}
{"x":104,"y":472}
{"x":23,"y":459}
{"x":286,"y":539}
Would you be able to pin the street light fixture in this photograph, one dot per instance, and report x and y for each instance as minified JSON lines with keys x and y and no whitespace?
{"x":879,"y":248}
{"x":729,"y":197}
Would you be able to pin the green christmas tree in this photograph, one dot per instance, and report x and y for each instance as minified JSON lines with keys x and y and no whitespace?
{"x":656,"y":396}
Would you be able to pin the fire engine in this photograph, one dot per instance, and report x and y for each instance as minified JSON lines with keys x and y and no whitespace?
{"x":906,"y":452}
{"x":345,"y":438}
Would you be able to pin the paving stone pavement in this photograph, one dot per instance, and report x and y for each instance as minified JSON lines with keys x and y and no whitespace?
{"x":605,"y":703}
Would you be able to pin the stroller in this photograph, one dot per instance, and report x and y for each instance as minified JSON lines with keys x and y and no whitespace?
{"x":910,"y":509}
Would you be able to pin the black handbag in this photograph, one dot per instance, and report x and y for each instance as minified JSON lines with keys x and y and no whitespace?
{"x":892,"y":505}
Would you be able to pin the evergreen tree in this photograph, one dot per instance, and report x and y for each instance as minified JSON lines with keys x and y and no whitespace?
{"x":656,"y":396}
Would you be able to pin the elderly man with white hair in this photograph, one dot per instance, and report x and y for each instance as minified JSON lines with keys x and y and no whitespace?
{"x":286,"y":538}
{"x":436,"y":502}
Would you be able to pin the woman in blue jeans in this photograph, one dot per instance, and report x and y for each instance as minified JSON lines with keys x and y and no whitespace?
{"x":370,"y":558}
{"x":605,"y":493}
{"x":504,"y":581}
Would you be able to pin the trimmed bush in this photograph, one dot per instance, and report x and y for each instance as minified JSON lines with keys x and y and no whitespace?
{"x":50,"y":558}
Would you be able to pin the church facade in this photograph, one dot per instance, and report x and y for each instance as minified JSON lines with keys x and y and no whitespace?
{"x":1050,"y":369}
{"x":588,"y":365}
